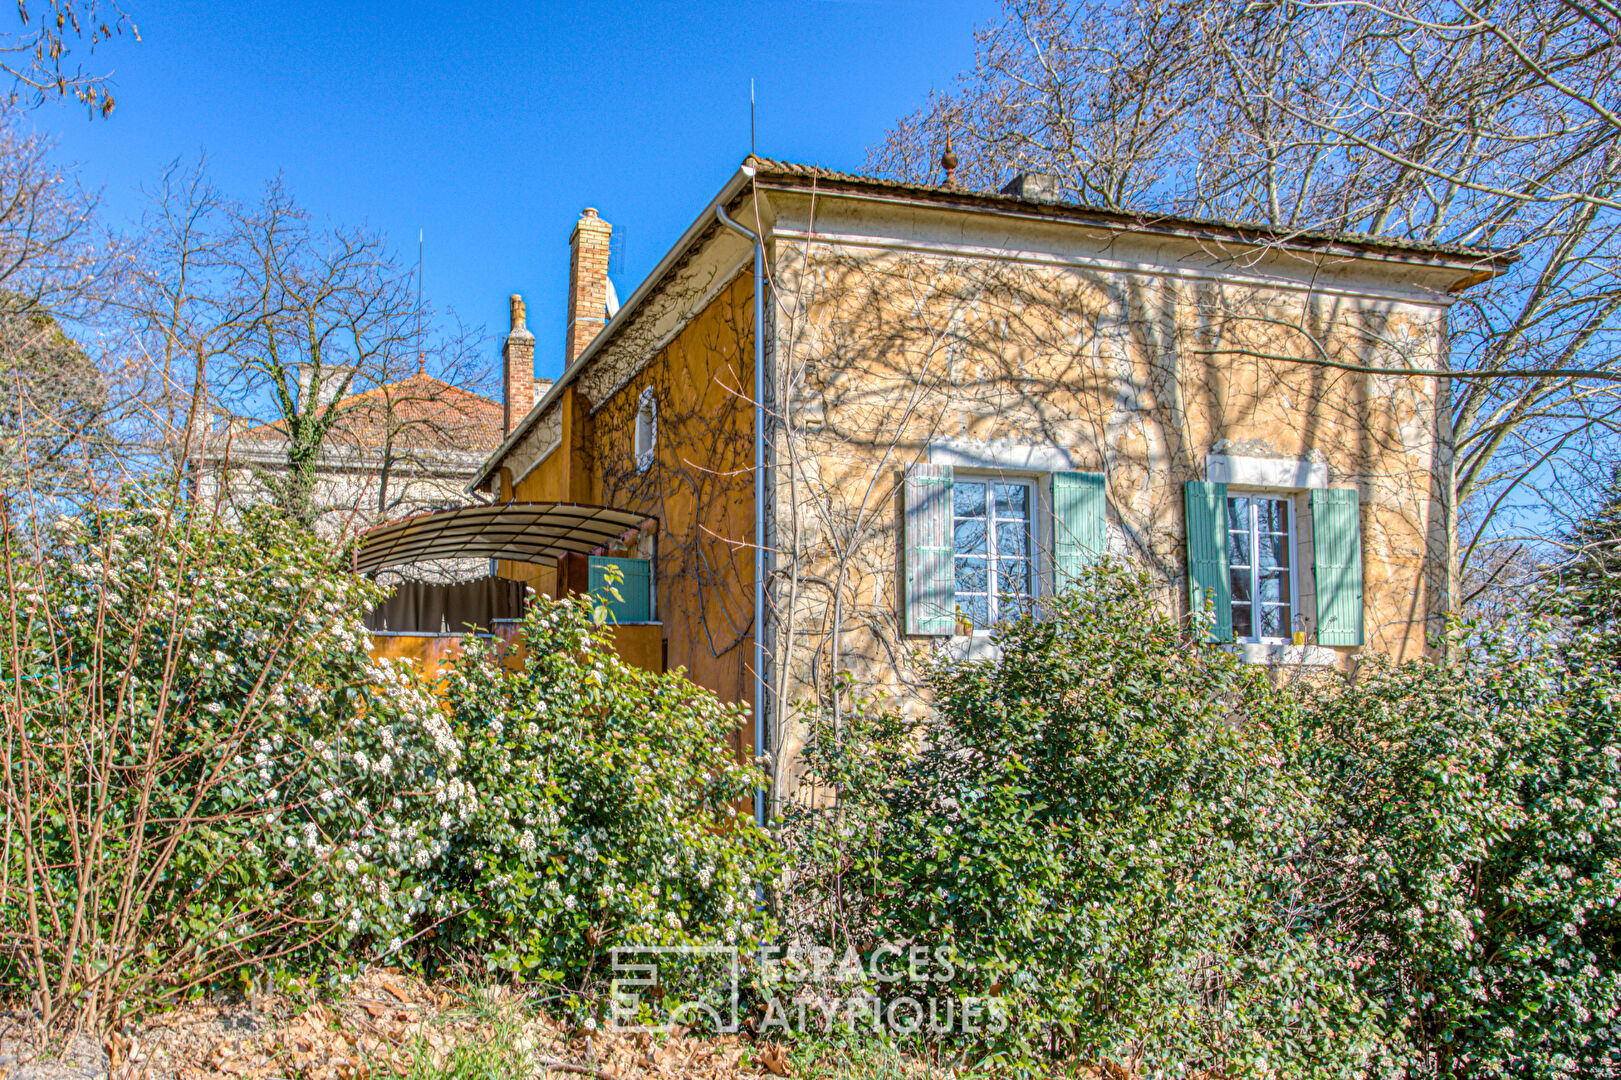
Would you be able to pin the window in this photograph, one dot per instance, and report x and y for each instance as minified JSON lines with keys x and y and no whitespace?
{"x":647,"y":429}
{"x":992,"y":545}
{"x":1260,"y":559}
{"x":634,"y":586}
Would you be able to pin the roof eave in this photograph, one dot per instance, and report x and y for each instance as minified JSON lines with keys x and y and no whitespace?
{"x":1167,"y":224}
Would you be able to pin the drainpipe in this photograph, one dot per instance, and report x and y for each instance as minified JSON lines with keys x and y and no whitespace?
{"x":759,"y":489}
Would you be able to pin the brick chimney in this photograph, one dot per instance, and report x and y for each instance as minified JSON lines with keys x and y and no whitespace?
{"x":587,"y":282}
{"x":517,"y":370}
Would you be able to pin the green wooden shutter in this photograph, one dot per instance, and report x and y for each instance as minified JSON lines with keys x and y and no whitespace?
{"x":1079,"y":529}
{"x":930,"y":583}
{"x":1208,"y":583}
{"x":635,"y":591}
{"x":1336,"y":540}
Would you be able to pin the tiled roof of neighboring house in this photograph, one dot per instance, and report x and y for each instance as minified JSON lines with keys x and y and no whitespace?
{"x":420,"y":412}
{"x":768,"y":168}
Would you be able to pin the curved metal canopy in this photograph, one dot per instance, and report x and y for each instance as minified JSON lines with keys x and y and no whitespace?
{"x":518,"y":531}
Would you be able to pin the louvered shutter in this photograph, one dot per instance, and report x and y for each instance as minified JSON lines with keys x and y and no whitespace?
{"x":1336,"y":537}
{"x":1079,"y":526}
{"x":635,"y":591}
{"x":1208,"y":585}
{"x":930,"y":584}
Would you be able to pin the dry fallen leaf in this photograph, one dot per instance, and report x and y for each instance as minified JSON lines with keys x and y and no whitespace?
{"x":774,"y":1059}
{"x":116,"y":1047}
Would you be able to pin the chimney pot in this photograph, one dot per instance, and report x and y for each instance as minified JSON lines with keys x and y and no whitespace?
{"x":517,"y":370}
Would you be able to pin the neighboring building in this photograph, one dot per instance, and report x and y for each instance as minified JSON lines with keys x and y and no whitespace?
{"x":397,"y":449}
{"x":968,"y":395}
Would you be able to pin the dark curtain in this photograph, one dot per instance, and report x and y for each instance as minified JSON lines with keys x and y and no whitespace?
{"x":420,"y":607}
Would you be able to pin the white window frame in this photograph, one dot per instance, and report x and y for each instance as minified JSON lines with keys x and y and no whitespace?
{"x":1036,"y":502}
{"x":647,"y":405}
{"x":1291,"y":503}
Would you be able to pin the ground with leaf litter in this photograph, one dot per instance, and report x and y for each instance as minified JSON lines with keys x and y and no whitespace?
{"x":387,"y":1025}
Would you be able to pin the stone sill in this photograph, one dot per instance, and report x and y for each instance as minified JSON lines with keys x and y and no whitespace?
{"x":1280,"y":654}
{"x":977,"y":646}
{"x":1273,"y":654}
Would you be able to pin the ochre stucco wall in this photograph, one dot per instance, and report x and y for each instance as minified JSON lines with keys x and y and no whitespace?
{"x":700,"y":486}
{"x":561,"y":476}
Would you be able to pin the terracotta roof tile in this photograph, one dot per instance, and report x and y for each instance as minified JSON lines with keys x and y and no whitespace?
{"x":422,"y":412}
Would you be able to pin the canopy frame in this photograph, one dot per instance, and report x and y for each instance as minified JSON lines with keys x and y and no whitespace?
{"x":532,"y":532}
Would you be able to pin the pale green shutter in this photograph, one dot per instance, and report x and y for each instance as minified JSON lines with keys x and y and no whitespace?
{"x":1336,"y":540}
{"x":1208,"y":584}
{"x":1079,"y":528}
{"x":930,"y":583}
{"x":635,"y":591}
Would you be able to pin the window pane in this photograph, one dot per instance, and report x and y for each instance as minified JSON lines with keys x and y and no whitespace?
{"x":1241,"y":621}
{"x":1238,"y":514}
{"x":970,"y":537}
{"x":1238,"y":549}
{"x":1012,"y":500}
{"x":1272,"y":515}
{"x":1013,"y":577}
{"x":968,"y":499}
{"x":1012,"y":539}
{"x":1275,"y":622}
{"x":994,"y":544}
{"x":970,"y":575}
{"x":1273,"y":550}
{"x":1260,"y":554}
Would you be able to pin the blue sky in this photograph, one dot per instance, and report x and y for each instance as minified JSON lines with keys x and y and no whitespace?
{"x":489,"y":126}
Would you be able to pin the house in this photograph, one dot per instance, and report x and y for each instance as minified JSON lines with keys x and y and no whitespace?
{"x":396,"y":449}
{"x":954,"y":399}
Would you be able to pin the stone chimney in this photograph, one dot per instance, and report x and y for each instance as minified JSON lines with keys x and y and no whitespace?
{"x":1037,"y":187}
{"x":587,"y":283}
{"x":517,"y":370}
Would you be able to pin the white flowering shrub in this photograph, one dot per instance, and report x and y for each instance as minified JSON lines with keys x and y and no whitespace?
{"x":1475,"y":814}
{"x":205,"y":773}
{"x":612,"y":807}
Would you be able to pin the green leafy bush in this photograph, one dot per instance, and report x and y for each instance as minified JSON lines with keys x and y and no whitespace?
{"x":1475,"y":809}
{"x":612,"y":809}
{"x":206,"y":775}
{"x":1110,"y":825}
{"x":1146,"y":853}
{"x":1158,"y":859}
